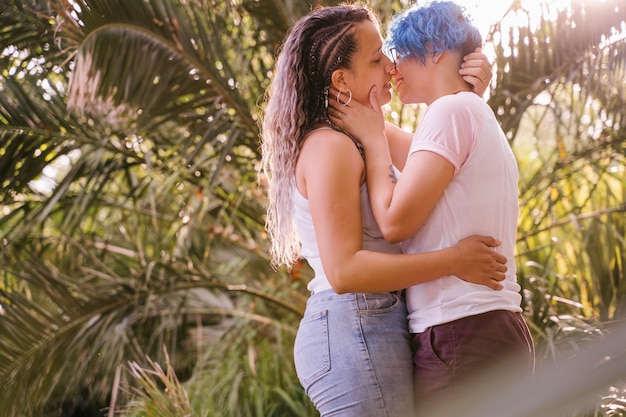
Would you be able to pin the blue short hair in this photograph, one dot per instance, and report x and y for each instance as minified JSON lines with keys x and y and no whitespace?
{"x":420,"y":31}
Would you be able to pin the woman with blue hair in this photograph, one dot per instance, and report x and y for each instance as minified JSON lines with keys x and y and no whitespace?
{"x":460,"y":178}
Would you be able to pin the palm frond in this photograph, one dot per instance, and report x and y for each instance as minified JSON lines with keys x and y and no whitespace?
{"x":80,"y":327}
{"x":35,"y":132}
{"x":171,"y":401}
{"x":581,"y":46}
{"x":27,"y":34}
{"x":249,"y":375}
{"x":146,"y":54}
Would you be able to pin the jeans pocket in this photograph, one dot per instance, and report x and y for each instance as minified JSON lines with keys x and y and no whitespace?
{"x":441,"y":345}
{"x":378,"y":303}
{"x":312,"y":348}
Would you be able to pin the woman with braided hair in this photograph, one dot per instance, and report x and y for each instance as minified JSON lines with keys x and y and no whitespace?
{"x":352,"y":351}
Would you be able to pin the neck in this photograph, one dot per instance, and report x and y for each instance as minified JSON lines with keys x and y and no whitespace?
{"x":446,"y":89}
{"x":445,"y":76}
{"x":463,"y":90}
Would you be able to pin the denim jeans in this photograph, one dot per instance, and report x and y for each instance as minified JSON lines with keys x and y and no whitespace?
{"x":353,"y":355}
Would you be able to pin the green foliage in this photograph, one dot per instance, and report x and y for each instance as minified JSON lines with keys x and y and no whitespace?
{"x":163,"y":393}
{"x":254,"y":377}
{"x":249,"y":374}
{"x":572,"y":186}
{"x":134,"y":275}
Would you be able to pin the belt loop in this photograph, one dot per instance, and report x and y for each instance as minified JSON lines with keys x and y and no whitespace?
{"x":361,"y":301}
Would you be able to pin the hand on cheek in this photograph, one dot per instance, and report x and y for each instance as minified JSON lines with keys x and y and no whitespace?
{"x":360,"y":120}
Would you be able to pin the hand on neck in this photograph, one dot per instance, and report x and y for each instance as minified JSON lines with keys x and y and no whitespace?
{"x":447,"y":80}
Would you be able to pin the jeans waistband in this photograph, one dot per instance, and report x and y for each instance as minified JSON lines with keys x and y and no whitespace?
{"x":360,"y":297}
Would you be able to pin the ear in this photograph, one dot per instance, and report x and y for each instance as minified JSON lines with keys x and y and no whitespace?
{"x":437,"y":56}
{"x":338,"y":80}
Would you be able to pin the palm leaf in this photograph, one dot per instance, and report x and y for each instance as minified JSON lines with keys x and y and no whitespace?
{"x":79,"y":328}
{"x":574,"y":48}
{"x":152,"y":207}
{"x":153,"y":236}
{"x":144,"y":54}
{"x":27,"y":32}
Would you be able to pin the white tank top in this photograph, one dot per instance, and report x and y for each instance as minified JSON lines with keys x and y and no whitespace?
{"x":372,"y":237}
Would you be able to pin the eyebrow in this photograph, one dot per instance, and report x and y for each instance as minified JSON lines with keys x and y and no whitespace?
{"x":379,"y":50}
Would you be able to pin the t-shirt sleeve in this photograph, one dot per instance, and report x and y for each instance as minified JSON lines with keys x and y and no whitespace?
{"x":447,"y":129}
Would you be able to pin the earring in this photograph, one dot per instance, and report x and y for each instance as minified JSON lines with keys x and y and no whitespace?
{"x":349,"y":98}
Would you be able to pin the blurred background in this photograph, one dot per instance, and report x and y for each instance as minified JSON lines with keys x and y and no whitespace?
{"x":134,"y":275}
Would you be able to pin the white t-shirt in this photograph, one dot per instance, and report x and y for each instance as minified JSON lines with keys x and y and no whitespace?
{"x":482,"y":198}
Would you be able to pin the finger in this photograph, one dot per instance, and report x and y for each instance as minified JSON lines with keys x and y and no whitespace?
{"x":332,"y":104}
{"x":489,"y":241}
{"x":334,"y":115}
{"x":334,"y":111}
{"x":472,"y":70}
{"x":477,"y":66}
{"x":336,"y":121}
{"x":473,"y":81}
{"x":495,"y":285}
{"x":477,"y":84}
{"x":374,"y":97}
{"x":473,"y":59}
{"x":501,"y":259}
{"x":498,"y":275}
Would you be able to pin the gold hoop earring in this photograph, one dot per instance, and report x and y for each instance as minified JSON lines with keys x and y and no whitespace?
{"x":349,"y":98}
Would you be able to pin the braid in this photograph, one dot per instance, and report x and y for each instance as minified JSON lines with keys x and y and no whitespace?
{"x":335,"y":49}
{"x":317,"y":45}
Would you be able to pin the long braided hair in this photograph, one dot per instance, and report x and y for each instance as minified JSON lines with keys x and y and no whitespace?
{"x":316,"y":46}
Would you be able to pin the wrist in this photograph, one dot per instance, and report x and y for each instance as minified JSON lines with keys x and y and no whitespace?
{"x":453,"y":255}
{"x":375,"y":143}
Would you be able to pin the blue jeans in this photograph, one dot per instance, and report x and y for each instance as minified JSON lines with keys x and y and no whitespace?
{"x":353,"y":355}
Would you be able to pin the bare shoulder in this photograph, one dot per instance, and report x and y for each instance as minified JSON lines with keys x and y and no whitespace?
{"x":328,"y":156}
{"x":329,"y":144}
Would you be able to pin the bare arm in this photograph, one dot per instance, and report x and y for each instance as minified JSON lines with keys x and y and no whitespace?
{"x":399,"y":143}
{"x":408,"y":203}
{"x":329,"y":175}
{"x":367,"y":124}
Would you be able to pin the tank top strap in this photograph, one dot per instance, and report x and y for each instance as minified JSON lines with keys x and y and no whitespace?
{"x":358,"y":145}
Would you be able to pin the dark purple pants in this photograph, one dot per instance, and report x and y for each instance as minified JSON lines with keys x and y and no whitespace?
{"x":450,"y":358}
